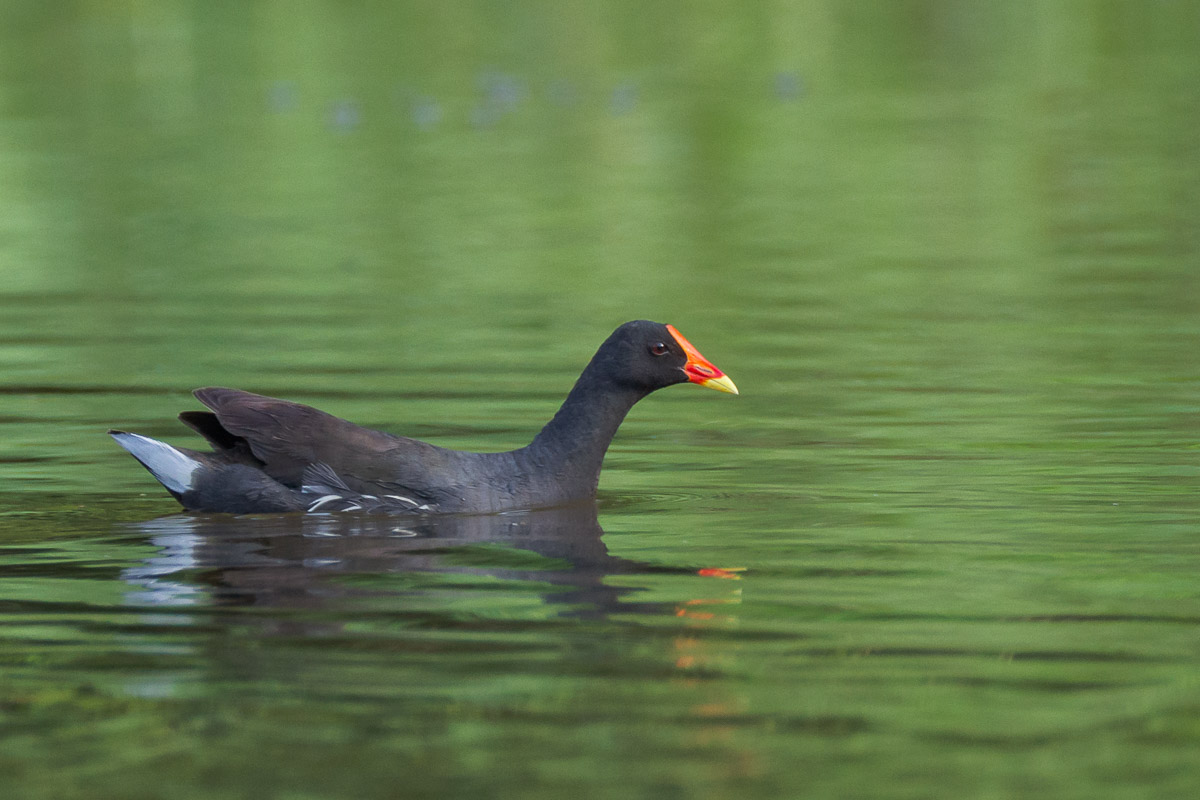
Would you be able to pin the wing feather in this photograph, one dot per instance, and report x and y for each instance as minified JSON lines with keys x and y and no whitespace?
{"x":289,"y":437}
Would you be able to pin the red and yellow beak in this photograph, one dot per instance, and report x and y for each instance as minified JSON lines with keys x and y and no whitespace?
{"x":699,"y":369}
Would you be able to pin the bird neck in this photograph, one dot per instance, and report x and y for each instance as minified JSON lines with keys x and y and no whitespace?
{"x":571,"y":447}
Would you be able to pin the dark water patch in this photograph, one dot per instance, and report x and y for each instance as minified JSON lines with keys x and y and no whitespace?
{"x":145,"y":627}
{"x":938,"y":457}
{"x":1034,"y":685}
{"x":948,"y":390}
{"x":84,"y":390}
{"x":347,"y":646}
{"x":1169,"y":619}
{"x":1081,"y":656}
{"x":997,"y":742}
{"x":47,"y":340}
{"x":443,"y":628}
{"x":332,"y":369}
{"x":820,"y":725}
{"x":74,"y":657}
{"x":14,"y":551}
{"x":63,"y":608}
{"x":650,"y":502}
{"x":853,"y":614}
{"x":62,"y":570}
{"x":25,"y":299}
{"x":849,"y":572}
{"x":1087,"y":656}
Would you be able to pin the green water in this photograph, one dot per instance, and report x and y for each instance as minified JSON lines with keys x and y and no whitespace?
{"x":945,"y":544}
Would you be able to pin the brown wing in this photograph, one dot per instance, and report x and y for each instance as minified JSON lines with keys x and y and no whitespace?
{"x":287,"y":437}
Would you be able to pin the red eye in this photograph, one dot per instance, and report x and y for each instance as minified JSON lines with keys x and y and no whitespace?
{"x":659,"y":349}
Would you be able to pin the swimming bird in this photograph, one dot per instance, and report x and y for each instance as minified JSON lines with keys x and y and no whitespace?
{"x":273,"y":455}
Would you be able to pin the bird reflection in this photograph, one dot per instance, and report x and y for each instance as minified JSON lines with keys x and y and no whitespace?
{"x":340,"y":561}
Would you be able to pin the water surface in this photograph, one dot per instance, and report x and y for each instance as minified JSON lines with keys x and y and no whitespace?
{"x":944,"y":544}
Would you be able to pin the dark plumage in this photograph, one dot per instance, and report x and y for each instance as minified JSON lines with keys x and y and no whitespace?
{"x":274,"y":455}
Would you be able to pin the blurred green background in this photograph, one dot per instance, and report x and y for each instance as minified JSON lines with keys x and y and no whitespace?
{"x":948,"y":251}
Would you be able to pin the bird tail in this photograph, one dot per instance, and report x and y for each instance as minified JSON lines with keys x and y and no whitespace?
{"x":173,"y":468}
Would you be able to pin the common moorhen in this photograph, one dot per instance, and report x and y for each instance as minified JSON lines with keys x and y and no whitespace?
{"x":273,"y":455}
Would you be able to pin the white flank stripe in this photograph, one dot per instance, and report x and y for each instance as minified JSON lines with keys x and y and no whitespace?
{"x":326,"y":499}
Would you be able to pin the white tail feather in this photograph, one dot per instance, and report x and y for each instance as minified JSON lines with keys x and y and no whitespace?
{"x":174,"y":470}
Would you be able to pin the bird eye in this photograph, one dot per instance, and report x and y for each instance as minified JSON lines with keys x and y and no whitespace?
{"x":659,"y":349}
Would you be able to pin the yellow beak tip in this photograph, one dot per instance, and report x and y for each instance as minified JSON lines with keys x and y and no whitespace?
{"x":721,"y":384}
